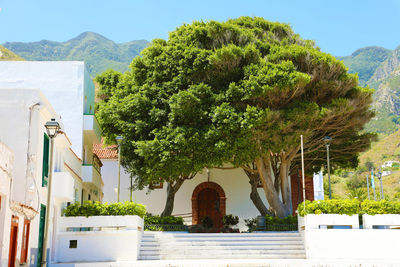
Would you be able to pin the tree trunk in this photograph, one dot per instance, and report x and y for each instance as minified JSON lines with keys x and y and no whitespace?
{"x":254,"y":196}
{"x":171,"y":191}
{"x":285,"y":185}
{"x":265,"y":171}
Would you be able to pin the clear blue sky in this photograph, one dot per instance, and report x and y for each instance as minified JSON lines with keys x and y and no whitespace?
{"x":339,"y":27}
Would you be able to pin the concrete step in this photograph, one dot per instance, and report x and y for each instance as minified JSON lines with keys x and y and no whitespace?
{"x":221,"y":252}
{"x":169,"y":238}
{"x":185,"y":246}
{"x":244,"y":256}
{"x":225,"y":247}
{"x":185,"y":235}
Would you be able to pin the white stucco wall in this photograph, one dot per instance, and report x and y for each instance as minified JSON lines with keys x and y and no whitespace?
{"x":6,"y":166}
{"x":62,"y":82}
{"x":234,"y":182}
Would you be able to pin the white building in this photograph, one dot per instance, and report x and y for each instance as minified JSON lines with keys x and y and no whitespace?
{"x":23,"y":114}
{"x":70,"y":90}
{"x":389,"y":164}
{"x":6,"y":169}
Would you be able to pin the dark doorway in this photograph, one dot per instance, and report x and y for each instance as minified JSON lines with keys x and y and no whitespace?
{"x":13,"y":242}
{"x":25,"y":241}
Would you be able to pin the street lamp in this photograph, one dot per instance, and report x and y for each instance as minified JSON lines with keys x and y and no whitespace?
{"x":327,"y":140}
{"x":380,"y":180}
{"x":52,"y":129}
{"x":119,"y":140}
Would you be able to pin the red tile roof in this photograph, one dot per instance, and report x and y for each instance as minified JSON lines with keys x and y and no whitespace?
{"x":109,"y":152}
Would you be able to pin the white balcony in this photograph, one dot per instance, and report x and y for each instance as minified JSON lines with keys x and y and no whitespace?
{"x":91,"y":127}
{"x":91,"y":174}
{"x":63,"y":186}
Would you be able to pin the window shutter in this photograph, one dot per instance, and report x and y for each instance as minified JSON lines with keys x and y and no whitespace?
{"x":45,"y":172}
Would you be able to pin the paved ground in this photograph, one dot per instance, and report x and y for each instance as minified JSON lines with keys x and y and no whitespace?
{"x":239,"y":263}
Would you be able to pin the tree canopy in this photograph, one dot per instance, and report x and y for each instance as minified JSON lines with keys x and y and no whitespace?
{"x":239,"y":92}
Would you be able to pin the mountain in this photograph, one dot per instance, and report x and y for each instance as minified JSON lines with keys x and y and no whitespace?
{"x":365,"y":61}
{"x":98,"y":52}
{"x":379,"y":68}
{"x":6,"y":54}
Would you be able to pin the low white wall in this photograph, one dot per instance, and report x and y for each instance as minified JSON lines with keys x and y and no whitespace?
{"x":381,"y":219}
{"x":98,"y":246}
{"x":113,"y":238}
{"x":317,"y":221}
{"x":352,"y":244}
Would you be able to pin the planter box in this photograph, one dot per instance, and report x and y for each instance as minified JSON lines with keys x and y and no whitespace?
{"x":323,"y":221}
{"x":385,"y":220}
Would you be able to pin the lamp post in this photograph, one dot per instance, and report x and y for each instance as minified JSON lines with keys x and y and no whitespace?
{"x":380,"y":180}
{"x":327,"y":141}
{"x":52,"y":128}
{"x":119,"y":140}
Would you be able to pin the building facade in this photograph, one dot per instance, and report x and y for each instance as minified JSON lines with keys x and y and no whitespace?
{"x":23,"y":114}
{"x":76,"y":170}
{"x":213,"y":192}
{"x":70,"y":90}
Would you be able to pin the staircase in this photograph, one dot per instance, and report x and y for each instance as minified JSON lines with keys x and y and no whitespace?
{"x":184,"y":246}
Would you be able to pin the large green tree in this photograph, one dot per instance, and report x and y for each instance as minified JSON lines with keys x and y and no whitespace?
{"x":239,"y":92}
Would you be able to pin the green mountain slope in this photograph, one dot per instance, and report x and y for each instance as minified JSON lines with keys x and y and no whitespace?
{"x":379,"y":68}
{"x":6,"y":55}
{"x":365,"y":61}
{"x":386,"y":82}
{"x":98,"y":52}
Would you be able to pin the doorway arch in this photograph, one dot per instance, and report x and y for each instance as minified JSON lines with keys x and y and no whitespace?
{"x":213,"y":200}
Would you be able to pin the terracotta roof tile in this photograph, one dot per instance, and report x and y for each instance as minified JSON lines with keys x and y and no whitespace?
{"x":109,"y":152}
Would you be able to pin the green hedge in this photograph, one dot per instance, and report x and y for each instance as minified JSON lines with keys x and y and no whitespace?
{"x":372,"y":207}
{"x":349,"y":207}
{"x":273,"y":220}
{"x":154,"y":219}
{"x":89,"y":208}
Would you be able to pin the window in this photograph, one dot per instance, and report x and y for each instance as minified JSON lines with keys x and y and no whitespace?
{"x":156,"y":185}
{"x":46,"y":154}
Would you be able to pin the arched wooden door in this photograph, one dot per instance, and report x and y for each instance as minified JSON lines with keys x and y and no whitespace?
{"x":208,"y":205}
{"x":208,"y":199}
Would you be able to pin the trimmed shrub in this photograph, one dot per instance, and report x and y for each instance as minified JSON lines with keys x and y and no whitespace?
{"x":273,"y":220}
{"x":372,"y":207}
{"x":251,"y":223}
{"x":230,"y":220}
{"x":332,"y":206}
{"x":349,"y":207}
{"x":89,"y":208}
{"x":155,"y":219}
{"x":207,"y":222}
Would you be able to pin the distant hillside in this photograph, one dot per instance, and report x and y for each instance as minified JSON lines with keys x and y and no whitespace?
{"x":6,"y":54}
{"x":365,"y":61}
{"x":98,"y":52}
{"x":379,"y":68}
